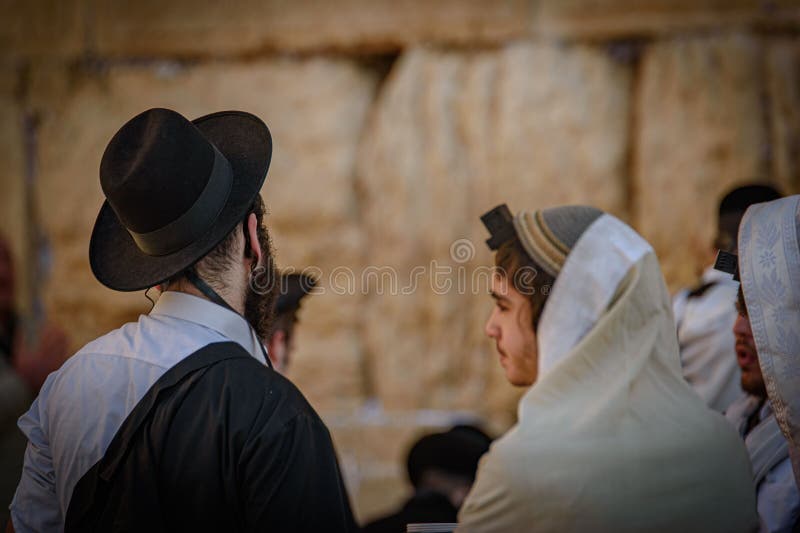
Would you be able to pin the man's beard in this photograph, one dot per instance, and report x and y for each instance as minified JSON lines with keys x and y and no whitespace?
{"x":262,"y":289}
{"x":754,"y":384}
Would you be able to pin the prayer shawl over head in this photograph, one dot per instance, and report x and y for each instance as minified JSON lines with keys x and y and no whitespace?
{"x":611,"y":437}
{"x":769,"y":267}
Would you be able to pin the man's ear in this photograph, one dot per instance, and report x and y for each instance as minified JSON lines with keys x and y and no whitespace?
{"x":252,"y":239}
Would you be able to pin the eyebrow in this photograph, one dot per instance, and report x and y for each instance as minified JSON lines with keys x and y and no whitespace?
{"x":499,"y":297}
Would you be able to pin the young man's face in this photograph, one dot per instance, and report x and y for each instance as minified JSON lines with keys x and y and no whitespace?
{"x":511,"y":327}
{"x":746,"y":354}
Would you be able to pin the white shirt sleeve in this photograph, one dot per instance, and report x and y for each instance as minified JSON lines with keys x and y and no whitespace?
{"x":35,"y":506}
{"x":778,"y":499}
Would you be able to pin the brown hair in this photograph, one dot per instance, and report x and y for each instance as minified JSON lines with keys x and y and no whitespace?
{"x":741,"y":306}
{"x":527,"y":277}
{"x":214,"y":264}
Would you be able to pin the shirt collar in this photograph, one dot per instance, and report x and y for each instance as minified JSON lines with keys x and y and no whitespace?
{"x":712,"y":275}
{"x":205,"y":313}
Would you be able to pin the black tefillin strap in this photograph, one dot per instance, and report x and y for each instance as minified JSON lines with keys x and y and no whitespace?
{"x":727,"y":262}
{"x":500,"y":224}
{"x":212,"y":295}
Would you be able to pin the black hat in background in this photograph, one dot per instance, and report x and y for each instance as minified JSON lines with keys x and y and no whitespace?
{"x":732,"y":208}
{"x":174,"y":190}
{"x":293,"y":288}
{"x":455,"y":452}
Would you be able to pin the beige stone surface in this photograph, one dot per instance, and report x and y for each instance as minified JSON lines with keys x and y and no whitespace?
{"x":314,"y":109}
{"x":33,"y":29}
{"x":13,"y":207}
{"x":452,"y":135}
{"x":610,"y":19}
{"x":701,"y":131}
{"x":783,"y":84}
{"x":327,"y":366}
{"x":207,"y":29}
{"x":47,"y":80}
{"x":151,"y":28}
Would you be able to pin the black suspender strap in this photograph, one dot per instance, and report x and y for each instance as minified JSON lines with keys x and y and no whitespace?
{"x":212,"y":295}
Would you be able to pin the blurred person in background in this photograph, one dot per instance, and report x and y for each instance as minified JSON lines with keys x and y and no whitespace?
{"x":441,"y":468}
{"x":177,"y":422}
{"x":705,"y":313}
{"x":609,"y":435}
{"x":768,"y":343}
{"x":15,"y":395}
{"x":280,"y":342}
{"x":24,"y":365}
{"x":778,"y":499}
{"x":34,"y":348}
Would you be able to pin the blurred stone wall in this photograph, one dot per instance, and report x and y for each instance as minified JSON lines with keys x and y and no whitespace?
{"x":396,"y":124}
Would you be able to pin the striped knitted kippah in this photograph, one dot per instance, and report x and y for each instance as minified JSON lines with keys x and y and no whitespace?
{"x":548,"y":235}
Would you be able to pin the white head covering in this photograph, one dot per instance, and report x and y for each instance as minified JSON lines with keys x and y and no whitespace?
{"x":563,"y":323}
{"x":769,"y":268}
{"x":611,"y":437}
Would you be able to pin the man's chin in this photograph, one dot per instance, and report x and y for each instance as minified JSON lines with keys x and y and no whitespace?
{"x":753,"y":386}
{"x":518,"y":381}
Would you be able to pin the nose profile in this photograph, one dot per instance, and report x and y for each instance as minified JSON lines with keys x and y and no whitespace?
{"x":491,"y":329}
{"x":740,"y":326}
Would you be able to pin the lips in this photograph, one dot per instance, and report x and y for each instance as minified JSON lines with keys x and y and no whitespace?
{"x":745,"y":357}
{"x":502,"y":356}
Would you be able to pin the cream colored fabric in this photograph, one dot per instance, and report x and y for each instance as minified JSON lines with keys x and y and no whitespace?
{"x":611,"y":437}
{"x":591,"y":282}
{"x":769,"y":267}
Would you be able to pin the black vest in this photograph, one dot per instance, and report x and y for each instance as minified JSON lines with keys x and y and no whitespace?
{"x":219,"y":443}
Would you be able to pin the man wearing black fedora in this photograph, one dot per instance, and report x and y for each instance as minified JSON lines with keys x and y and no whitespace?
{"x":177,"y":422}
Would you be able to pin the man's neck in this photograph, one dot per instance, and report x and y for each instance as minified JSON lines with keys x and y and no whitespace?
{"x":185,"y":286}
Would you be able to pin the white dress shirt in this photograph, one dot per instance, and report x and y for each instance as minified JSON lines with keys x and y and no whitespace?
{"x":707,"y":343}
{"x":82,"y":405}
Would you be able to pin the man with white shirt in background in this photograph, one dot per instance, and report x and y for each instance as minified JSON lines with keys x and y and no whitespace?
{"x":177,"y":422}
{"x":705,"y":313}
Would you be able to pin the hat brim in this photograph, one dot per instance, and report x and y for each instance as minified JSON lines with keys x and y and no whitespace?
{"x":118,"y":263}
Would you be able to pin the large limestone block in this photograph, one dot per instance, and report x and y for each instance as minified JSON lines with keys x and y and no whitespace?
{"x":314,"y":109}
{"x":613,"y":19}
{"x":189,"y":28}
{"x":783,"y":84}
{"x":452,"y":135}
{"x":701,"y":131}
{"x":34,"y":29}
{"x":561,"y":128}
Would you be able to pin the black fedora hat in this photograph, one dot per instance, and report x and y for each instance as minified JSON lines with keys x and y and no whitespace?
{"x":174,"y":190}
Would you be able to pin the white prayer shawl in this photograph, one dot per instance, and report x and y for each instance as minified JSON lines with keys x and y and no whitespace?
{"x":777,"y":496}
{"x":706,"y":340}
{"x":611,"y":437}
{"x":769,"y":265}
